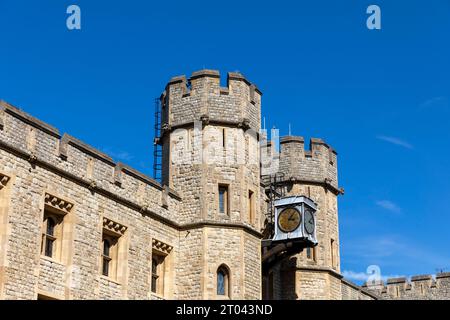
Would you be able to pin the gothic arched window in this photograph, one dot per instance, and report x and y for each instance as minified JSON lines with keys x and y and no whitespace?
{"x":223,"y":281}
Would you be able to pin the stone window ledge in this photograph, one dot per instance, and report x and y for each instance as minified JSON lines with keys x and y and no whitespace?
{"x":108,"y":279}
{"x":157,"y":296}
{"x":52,"y":260}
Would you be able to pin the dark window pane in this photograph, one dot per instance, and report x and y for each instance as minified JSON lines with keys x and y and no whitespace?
{"x":222,"y":199}
{"x":155,"y":275}
{"x":49,"y":247}
{"x":50,"y":227}
{"x":106,"y":247}
{"x":154,"y":266}
{"x":154,"y":280}
{"x":221,"y":283}
{"x":105,"y":270}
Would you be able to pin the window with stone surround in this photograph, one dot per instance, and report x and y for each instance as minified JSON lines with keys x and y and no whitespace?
{"x":223,"y":199}
{"x":112,"y":239}
{"x":251,"y":206}
{"x":160,"y":267}
{"x":55,"y":211}
{"x":333,"y":253}
{"x":109,"y":257}
{"x":5,"y":202}
{"x":158,"y":273}
{"x":311,"y":254}
{"x":223,"y":281}
{"x":224,"y":139}
{"x":51,"y":234}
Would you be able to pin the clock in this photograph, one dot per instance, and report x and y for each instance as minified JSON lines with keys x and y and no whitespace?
{"x":289,"y":220}
{"x":309,"y":221}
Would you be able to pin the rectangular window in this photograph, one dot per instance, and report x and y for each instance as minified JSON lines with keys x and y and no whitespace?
{"x":51,"y":234}
{"x":333,"y":253}
{"x":55,"y":233}
{"x":113,"y":250}
{"x":224,"y":140}
{"x":158,"y":273}
{"x":250,"y":207}
{"x":223,"y":199}
{"x":311,"y":254}
{"x":109,"y":255}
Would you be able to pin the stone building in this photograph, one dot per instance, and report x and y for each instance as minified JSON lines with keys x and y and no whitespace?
{"x":421,"y":287}
{"x":75,"y":224}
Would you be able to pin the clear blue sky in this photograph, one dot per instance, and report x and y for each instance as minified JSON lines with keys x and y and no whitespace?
{"x":381,"y":98}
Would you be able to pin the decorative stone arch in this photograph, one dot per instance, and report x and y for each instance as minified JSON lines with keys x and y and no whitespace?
{"x":223,"y":282}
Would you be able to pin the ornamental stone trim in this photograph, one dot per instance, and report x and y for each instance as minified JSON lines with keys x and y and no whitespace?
{"x":58,"y":203}
{"x":161,"y":246}
{"x":92,"y":185}
{"x":114,"y":227}
{"x":32,"y":158}
{"x":204,"y":119}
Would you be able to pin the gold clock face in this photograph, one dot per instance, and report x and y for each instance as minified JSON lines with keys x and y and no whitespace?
{"x":289,"y":219}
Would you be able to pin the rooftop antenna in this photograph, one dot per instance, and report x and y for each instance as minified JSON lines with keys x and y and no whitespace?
{"x":264,"y":123}
{"x":289,"y":128}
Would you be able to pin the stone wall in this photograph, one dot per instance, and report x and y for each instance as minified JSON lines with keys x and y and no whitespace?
{"x":351,"y":291}
{"x":38,"y":161}
{"x":317,"y":164}
{"x":185,"y":101}
{"x":422,"y":287}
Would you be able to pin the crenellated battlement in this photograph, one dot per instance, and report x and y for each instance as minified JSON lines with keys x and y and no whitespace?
{"x":201,"y":97}
{"x":318,"y":164}
{"x":416,"y":287}
{"x":41,"y":145}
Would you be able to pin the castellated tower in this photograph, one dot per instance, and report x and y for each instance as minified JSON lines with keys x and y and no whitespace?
{"x":314,"y":273}
{"x":211,"y":157}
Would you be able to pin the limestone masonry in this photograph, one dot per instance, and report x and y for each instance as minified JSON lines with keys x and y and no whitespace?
{"x":74,"y":224}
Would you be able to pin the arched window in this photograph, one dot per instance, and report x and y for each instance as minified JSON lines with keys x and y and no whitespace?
{"x":223,"y":281}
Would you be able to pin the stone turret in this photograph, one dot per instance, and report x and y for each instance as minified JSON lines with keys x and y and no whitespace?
{"x":210,"y":155}
{"x":314,"y":273}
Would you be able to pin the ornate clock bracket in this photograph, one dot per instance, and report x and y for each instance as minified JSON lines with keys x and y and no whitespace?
{"x":275,"y":251}
{"x":295,"y":230}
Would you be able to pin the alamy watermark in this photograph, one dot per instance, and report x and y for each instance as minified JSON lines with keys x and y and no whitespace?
{"x":374,"y":20}
{"x":220,"y":146}
{"x":73,"y":21}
